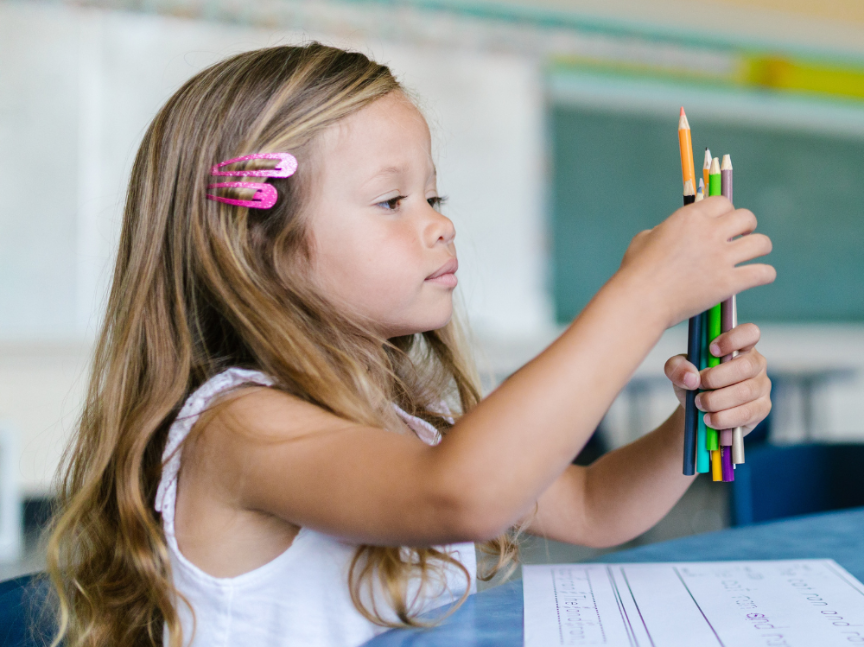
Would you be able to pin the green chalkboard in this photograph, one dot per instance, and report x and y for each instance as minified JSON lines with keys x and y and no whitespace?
{"x":618,"y":173}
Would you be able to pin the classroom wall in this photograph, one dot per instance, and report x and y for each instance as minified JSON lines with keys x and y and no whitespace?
{"x":86,"y":81}
{"x":73,"y":108}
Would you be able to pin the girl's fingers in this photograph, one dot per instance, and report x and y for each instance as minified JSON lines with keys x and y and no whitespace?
{"x":746,"y":415}
{"x":738,"y":223}
{"x":682,"y":373}
{"x":746,"y":366}
{"x":749,"y":247}
{"x":753,"y":275}
{"x":734,"y":396}
{"x":740,"y":338}
{"x":714,"y":206}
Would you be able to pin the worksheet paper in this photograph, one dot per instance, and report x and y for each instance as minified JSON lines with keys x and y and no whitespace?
{"x":783,"y":603}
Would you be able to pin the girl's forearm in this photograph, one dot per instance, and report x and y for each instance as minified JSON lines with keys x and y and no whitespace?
{"x":516,"y":442}
{"x":629,"y":490}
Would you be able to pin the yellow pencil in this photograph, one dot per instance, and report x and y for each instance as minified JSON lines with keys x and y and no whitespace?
{"x":716,"y":465}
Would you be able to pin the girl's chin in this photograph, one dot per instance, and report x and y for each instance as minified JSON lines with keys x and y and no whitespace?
{"x":424,"y":325}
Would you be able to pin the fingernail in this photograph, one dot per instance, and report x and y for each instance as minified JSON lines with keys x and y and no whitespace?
{"x":691,"y":380}
{"x":707,"y":422}
{"x":698,"y":402}
{"x":715,"y":350}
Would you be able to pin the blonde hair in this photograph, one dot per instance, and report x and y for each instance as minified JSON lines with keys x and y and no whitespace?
{"x":200,"y":286}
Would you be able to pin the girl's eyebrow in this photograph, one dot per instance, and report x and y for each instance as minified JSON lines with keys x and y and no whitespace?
{"x":385,"y":171}
{"x":395,"y":170}
{"x":388,"y":170}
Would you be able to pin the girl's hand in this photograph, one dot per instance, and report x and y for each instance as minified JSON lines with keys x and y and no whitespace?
{"x":692,"y":260}
{"x":740,"y":391}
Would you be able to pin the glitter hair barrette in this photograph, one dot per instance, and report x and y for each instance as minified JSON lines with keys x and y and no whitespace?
{"x":265,"y":194}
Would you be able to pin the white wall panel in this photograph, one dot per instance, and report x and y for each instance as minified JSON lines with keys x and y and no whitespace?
{"x":38,"y":171}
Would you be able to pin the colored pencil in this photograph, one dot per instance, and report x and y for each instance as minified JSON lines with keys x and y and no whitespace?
{"x":710,"y":434}
{"x":703,"y":457}
{"x":714,"y":323}
{"x":738,"y":432}
{"x":716,"y":466}
{"x":693,"y":350}
{"x":689,"y":193}
{"x":726,"y":177}
{"x":706,"y":167}
{"x":714,"y":178}
{"x":700,"y":192}
{"x":685,"y":148}
{"x":726,"y":467}
{"x":694,"y":333}
{"x":691,"y":413}
{"x":727,"y":307}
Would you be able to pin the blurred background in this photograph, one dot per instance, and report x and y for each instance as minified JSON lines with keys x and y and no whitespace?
{"x":555,"y":137}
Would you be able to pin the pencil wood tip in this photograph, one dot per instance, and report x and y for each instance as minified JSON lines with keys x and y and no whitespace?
{"x":715,"y":166}
{"x":707,"y":162}
{"x":688,"y":188}
{"x":727,"y":163}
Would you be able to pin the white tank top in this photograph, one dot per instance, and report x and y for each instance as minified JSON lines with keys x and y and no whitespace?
{"x":299,"y":598}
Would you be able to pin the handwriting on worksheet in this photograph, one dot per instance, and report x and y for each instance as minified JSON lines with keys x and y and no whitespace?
{"x":783,"y":603}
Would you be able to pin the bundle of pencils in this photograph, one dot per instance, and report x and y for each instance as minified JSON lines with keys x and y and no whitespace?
{"x":706,"y":449}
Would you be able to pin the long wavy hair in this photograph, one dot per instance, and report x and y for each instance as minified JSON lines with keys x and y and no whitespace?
{"x":201,"y":286}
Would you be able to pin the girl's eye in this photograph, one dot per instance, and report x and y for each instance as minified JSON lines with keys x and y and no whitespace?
{"x":436,"y":202}
{"x":392,"y":203}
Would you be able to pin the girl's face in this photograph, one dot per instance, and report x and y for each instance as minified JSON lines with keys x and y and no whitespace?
{"x":379,"y":246}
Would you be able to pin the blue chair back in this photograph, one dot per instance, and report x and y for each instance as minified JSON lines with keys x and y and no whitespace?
{"x":785,"y":481}
{"x":25,"y":619}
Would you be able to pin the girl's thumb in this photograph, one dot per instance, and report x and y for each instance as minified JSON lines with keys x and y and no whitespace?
{"x":682,"y":373}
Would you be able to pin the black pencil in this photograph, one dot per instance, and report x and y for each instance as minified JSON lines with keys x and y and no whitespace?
{"x":694,"y":350}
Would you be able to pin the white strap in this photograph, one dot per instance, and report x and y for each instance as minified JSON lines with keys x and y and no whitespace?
{"x":194,"y":406}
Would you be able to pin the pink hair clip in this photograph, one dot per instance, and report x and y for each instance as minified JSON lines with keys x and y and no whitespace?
{"x":265,"y":194}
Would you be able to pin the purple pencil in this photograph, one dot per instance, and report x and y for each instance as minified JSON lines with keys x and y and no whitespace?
{"x":727,"y":308}
{"x":726,"y":467}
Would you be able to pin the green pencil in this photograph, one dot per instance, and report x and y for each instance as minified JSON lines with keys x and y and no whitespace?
{"x":715,"y":179}
{"x":715,"y":321}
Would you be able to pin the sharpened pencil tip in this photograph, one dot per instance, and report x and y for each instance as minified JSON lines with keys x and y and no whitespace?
{"x":707,"y":162}
{"x":715,"y":166}
{"x":726,"y":165}
{"x":682,"y":112}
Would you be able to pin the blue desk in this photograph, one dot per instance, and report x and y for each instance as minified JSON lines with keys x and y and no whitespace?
{"x":493,"y":618}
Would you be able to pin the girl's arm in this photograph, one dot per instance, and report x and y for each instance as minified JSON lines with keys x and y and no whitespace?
{"x":627,"y":491}
{"x":291,"y":459}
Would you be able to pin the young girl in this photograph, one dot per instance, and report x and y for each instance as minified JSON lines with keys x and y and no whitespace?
{"x":268,"y":456}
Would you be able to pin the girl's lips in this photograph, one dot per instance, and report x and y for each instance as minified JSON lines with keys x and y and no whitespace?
{"x":449,"y":267}
{"x":448,"y":280}
{"x":446,"y":274}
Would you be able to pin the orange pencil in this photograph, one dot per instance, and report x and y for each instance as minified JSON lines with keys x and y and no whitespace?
{"x":706,"y":169}
{"x":685,"y":144}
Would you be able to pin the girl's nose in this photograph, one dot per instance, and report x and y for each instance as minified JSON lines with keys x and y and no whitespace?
{"x":441,"y":229}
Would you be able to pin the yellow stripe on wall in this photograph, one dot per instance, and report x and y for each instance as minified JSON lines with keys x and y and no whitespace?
{"x":764,"y":71}
{"x":779,"y":73}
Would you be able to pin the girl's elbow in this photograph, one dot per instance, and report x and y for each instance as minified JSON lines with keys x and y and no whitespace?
{"x":471,"y":517}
